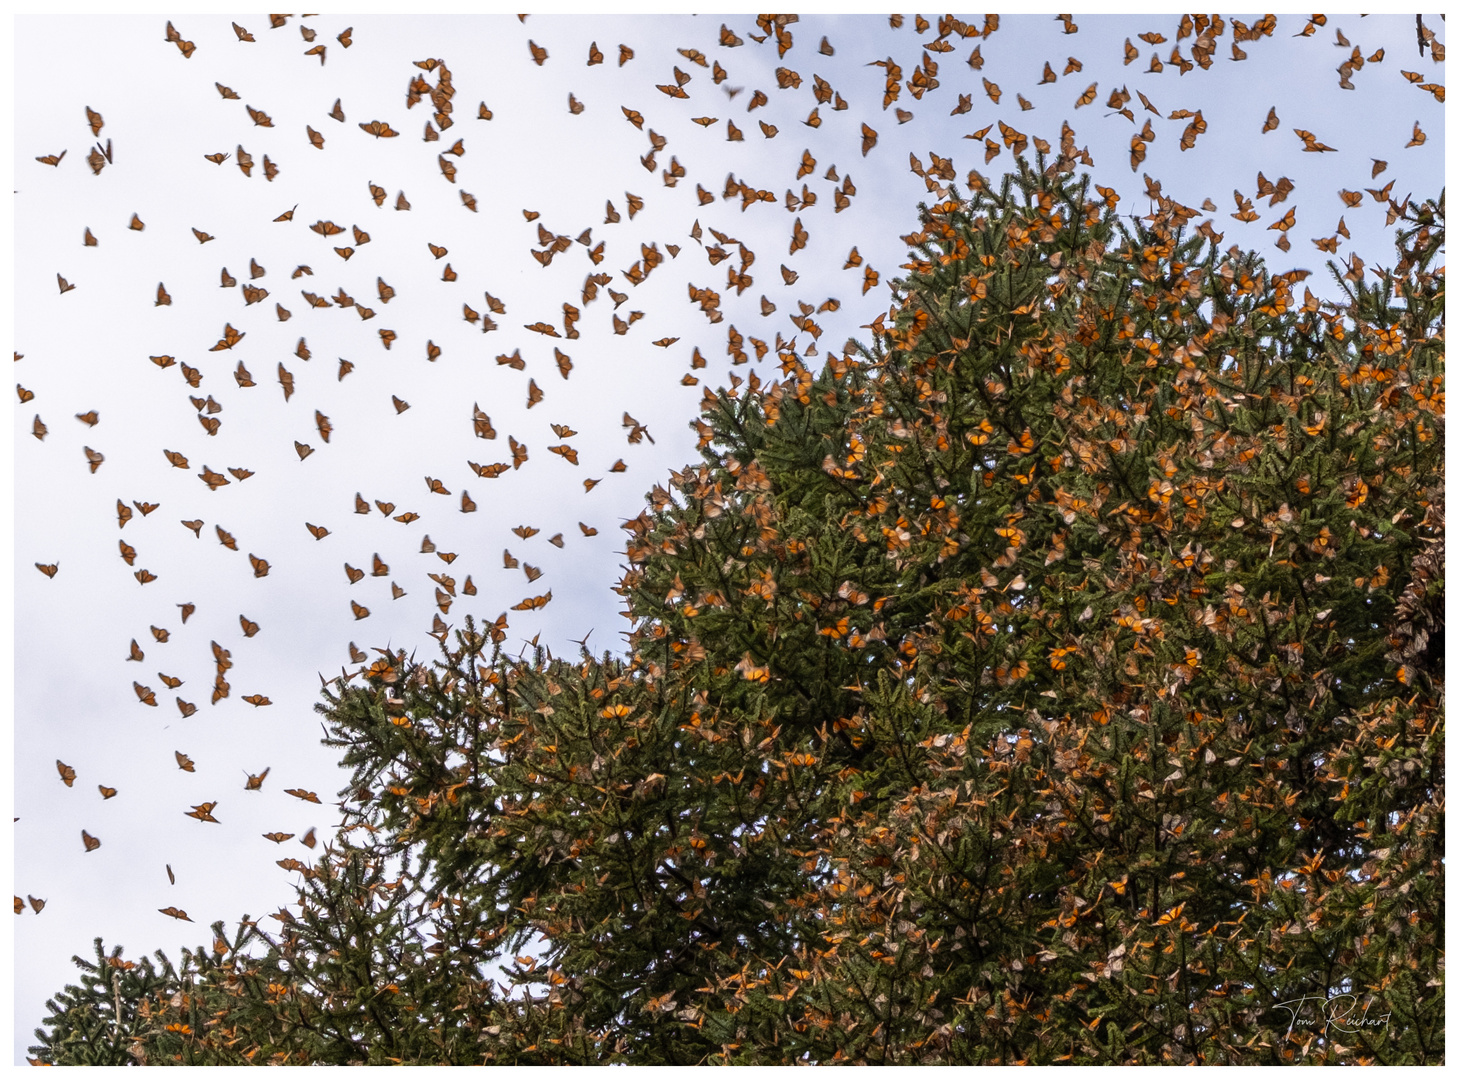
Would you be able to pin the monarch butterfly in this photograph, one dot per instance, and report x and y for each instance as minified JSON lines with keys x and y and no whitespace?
{"x":257,"y":700}
{"x":135,"y":653}
{"x":243,"y":35}
{"x":532,"y":603}
{"x":379,"y":129}
{"x":230,"y":338}
{"x":52,"y":159}
{"x":240,"y":474}
{"x":315,"y":139}
{"x":1310,"y":145}
{"x":300,"y":793}
{"x":106,"y":792}
{"x":255,"y":782}
{"x":176,"y":913}
{"x":49,"y":569}
{"x":278,"y":837}
{"x":317,"y":50}
{"x":227,"y":92}
{"x":88,"y":841}
{"x":308,"y":839}
{"x":360,"y":611}
{"x":68,"y":774}
{"x":203,"y":812}
{"x":260,"y":566}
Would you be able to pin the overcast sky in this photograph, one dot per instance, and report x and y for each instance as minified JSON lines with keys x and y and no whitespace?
{"x":91,"y":347}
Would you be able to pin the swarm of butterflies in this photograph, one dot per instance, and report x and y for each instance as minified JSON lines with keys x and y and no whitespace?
{"x":945,"y":54}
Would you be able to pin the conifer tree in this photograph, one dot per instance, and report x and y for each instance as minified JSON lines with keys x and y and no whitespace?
{"x":1057,"y":678}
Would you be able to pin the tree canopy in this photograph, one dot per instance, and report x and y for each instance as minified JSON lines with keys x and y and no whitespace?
{"x":1057,"y":678}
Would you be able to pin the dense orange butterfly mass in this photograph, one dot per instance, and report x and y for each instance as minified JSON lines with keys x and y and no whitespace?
{"x":883,"y":97}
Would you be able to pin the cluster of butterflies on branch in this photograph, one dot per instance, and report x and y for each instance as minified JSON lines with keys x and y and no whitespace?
{"x":431,"y":84}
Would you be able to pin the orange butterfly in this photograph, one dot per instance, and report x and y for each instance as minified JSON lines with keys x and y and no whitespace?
{"x":90,"y":842}
{"x":203,"y":812}
{"x":379,"y":129}
{"x":230,"y":338}
{"x":255,"y":782}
